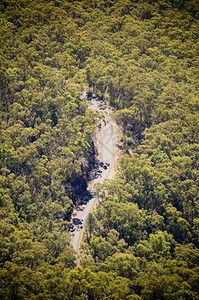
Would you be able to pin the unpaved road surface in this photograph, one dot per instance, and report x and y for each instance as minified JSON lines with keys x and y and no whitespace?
{"x":106,"y":140}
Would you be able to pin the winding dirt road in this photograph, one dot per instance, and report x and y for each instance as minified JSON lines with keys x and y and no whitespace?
{"x":106,"y":140}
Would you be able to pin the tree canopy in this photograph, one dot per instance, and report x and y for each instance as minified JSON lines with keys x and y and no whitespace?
{"x":140,"y":57}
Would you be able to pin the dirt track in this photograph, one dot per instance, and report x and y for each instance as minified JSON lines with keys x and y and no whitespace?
{"x":107,"y":143}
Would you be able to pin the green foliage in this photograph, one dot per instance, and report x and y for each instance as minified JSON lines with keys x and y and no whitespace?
{"x":46,"y":151}
{"x":141,"y":57}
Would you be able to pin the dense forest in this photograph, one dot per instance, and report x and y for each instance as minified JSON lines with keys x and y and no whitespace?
{"x":142,"y":58}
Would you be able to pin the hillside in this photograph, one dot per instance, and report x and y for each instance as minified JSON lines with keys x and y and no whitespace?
{"x":142,"y":58}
